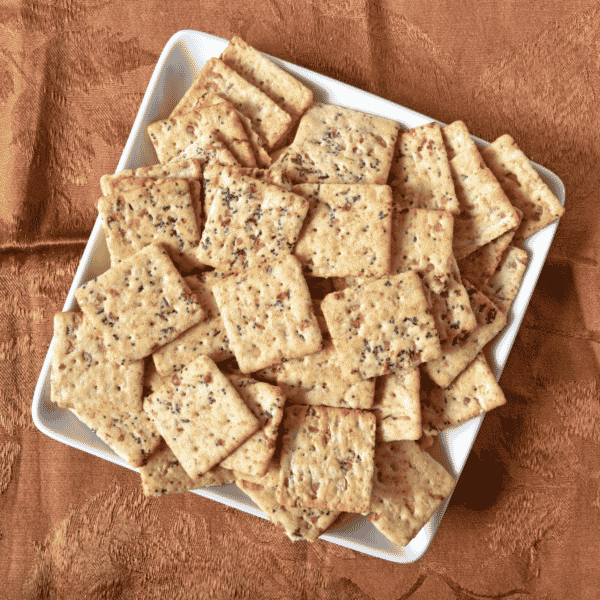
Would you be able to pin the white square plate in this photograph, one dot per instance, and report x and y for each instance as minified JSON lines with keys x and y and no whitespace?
{"x":178,"y":66}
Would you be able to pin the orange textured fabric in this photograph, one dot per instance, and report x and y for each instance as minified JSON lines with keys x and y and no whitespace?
{"x":524,"y":519}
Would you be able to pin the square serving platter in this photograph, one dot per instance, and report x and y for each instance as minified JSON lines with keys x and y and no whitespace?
{"x":179,"y":64}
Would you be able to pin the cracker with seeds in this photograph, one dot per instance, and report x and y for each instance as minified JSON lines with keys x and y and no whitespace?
{"x":270,"y":121}
{"x":408,"y":488}
{"x":268,"y":314}
{"x":457,"y":139}
{"x":327,"y":458}
{"x":523,"y":186}
{"x":208,"y":337}
{"x":266,"y":403}
{"x":208,"y":150}
{"x":420,"y":173}
{"x":163,"y":474}
{"x":347,"y":230}
{"x":486,"y":212}
{"x":382,"y":326}
{"x":162,"y":212}
{"x":503,"y":287}
{"x":334,"y":144}
{"x":298,"y":523}
{"x":83,"y":376}
{"x":140,"y":304}
{"x":397,"y":405}
{"x":201,"y":416}
{"x":250,"y":222}
{"x":219,"y":122}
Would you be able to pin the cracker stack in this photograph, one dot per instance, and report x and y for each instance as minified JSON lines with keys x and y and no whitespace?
{"x":358,"y":272}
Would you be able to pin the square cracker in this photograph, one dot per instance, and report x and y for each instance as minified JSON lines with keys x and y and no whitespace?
{"x":523,"y":186}
{"x":270,"y":121}
{"x":503,"y":287}
{"x":397,"y":405}
{"x":327,"y":458}
{"x":382,"y":326}
{"x":472,"y":393}
{"x":408,"y":488}
{"x":201,"y":416}
{"x":82,"y":376}
{"x":284,"y":89}
{"x":420,"y":173}
{"x":208,"y":150}
{"x":140,"y":304}
{"x":457,"y":139}
{"x":347,"y":230}
{"x":250,"y":222}
{"x":298,"y":523}
{"x":220,"y":122}
{"x":268,"y":314}
{"x":207,"y":338}
{"x":163,"y":474}
{"x":266,"y":403}
{"x":486,"y":212}
{"x":334,"y":144}
{"x":162,"y":212}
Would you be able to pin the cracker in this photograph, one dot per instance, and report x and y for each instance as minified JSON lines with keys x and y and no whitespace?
{"x":250,"y":222}
{"x":208,"y":150}
{"x":422,"y":242}
{"x":207,"y":338}
{"x":268,"y":314}
{"x":409,"y":487}
{"x":473,"y":392}
{"x":270,"y":121}
{"x":503,"y":287}
{"x":83,"y":376}
{"x":327,"y":458}
{"x":132,"y":435}
{"x":382,"y":326}
{"x":163,"y":211}
{"x":163,"y":474}
{"x":486,"y":212}
{"x":298,"y":523}
{"x":457,"y":354}
{"x":347,"y":230}
{"x":284,"y":89}
{"x":420,"y":173}
{"x":219,"y":122}
{"x":523,"y":186}
{"x":140,"y":304}
{"x":334,"y":144}
{"x":266,"y":403}
{"x":397,"y":405}
{"x":201,"y":416}
{"x":457,"y":139}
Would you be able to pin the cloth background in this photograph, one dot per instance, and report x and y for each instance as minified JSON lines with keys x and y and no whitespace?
{"x":524,"y":520}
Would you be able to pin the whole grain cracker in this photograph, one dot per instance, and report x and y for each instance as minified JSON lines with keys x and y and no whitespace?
{"x":208,"y":150}
{"x":457,"y":139}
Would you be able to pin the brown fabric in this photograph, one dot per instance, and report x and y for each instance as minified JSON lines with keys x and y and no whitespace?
{"x":524,"y":519}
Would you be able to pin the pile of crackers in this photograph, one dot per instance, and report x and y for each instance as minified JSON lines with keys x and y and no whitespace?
{"x":298,"y":300}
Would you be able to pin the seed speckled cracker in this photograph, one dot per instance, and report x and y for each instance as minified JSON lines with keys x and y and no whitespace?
{"x":140,"y":304}
{"x":208,"y":150}
{"x":420,"y":173}
{"x":503,"y":287}
{"x":457,"y":139}
{"x":82,"y":376}
{"x":208,"y":337}
{"x":163,"y":211}
{"x":397,"y":405}
{"x":298,"y":523}
{"x":270,"y":121}
{"x":250,"y":222}
{"x":219,"y":122}
{"x":266,"y":403}
{"x":382,"y":326}
{"x":347,"y":230}
{"x":408,"y":488}
{"x":472,"y":393}
{"x":268,"y":314}
{"x":334,"y":144}
{"x":201,"y":416}
{"x":523,"y":186}
{"x":486,"y":212}
{"x":163,"y":474}
{"x":327,"y":458}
